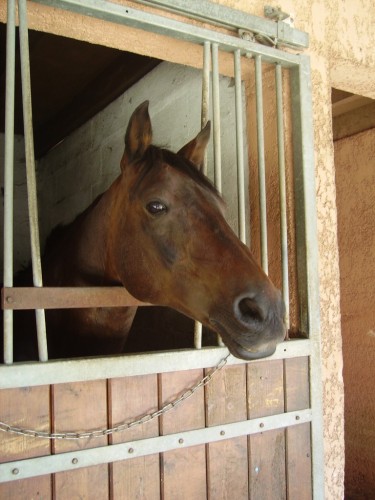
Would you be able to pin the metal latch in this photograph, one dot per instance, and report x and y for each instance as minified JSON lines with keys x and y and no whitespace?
{"x":285,"y":24}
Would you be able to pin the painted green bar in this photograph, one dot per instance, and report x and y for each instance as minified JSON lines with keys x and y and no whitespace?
{"x":96,"y":368}
{"x":31,"y":176}
{"x":307,"y":259}
{"x":261,"y":163}
{"x":22,"y":469}
{"x":282,"y":190}
{"x":233,"y":19}
{"x":9,"y":173}
{"x":240,"y":148}
{"x":169,"y":27}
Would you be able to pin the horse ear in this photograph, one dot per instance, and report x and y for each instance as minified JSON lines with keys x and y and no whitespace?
{"x":194,"y":150}
{"x":138,"y":135}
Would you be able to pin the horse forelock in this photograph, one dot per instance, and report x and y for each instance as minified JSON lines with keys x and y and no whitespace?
{"x":154,"y":156}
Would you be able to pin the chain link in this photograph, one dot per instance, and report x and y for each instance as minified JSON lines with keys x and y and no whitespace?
{"x":96,"y":433}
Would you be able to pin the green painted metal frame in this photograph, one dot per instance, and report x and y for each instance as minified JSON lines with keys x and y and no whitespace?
{"x":18,"y":375}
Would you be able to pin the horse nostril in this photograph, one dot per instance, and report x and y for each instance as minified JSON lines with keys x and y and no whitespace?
{"x":251,"y":309}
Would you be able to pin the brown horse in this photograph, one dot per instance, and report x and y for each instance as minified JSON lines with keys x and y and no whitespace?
{"x":160,"y":232}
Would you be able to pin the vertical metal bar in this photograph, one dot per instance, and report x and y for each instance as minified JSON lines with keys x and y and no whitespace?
{"x":30,"y":174}
{"x":261,"y":163}
{"x":216,"y":115}
{"x":240,"y":149}
{"x":307,"y":258}
{"x":282,"y":190}
{"x":204,"y":119}
{"x":206,"y":84}
{"x":9,"y":174}
{"x":216,"y":123}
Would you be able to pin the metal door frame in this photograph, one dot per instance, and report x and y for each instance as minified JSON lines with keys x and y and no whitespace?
{"x":51,"y":372}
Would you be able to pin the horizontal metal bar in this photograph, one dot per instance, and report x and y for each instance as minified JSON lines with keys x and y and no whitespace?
{"x":67,"y":297}
{"x":22,"y":469}
{"x":128,"y":16}
{"x":79,"y":370}
{"x":220,"y":15}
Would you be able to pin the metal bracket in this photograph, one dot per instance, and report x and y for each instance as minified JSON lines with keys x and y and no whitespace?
{"x":275,"y":13}
{"x":285,"y":26}
{"x":284,"y":22}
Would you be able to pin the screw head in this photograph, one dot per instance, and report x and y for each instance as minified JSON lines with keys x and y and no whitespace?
{"x":75,"y":461}
{"x":15,"y":471}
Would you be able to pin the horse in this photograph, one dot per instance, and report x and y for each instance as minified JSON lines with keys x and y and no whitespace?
{"x":160,"y":231}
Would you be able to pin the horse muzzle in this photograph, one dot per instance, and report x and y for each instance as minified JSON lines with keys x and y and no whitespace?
{"x":254,"y":325}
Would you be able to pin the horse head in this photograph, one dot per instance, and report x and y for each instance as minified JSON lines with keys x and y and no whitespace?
{"x":172,"y":246}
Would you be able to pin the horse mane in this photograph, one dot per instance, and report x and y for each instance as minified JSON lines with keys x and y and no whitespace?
{"x":154,"y":155}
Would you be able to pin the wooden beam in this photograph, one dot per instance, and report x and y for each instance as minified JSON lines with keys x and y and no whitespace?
{"x":354,"y":121}
{"x":66,"y":298}
{"x":349,"y":104}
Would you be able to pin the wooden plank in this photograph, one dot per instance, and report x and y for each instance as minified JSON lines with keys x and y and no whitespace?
{"x":266,"y":449}
{"x":26,"y":489}
{"x":357,"y":120}
{"x":131,"y":397}
{"x":227,"y":464}
{"x":20,"y":298}
{"x":350,"y":103}
{"x":183,"y":471}
{"x":25,"y":407}
{"x":299,"y":480}
{"x":76,"y":407}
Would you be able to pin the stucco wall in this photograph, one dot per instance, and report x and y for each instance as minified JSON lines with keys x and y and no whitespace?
{"x":355,"y":176}
{"x":342,"y":56}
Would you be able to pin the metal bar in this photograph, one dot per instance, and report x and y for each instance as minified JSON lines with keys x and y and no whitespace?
{"x":22,"y":469}
{"x":67,"y":298}
{"x":9,"y":173}
{"x":261,"y":164}
{"x":307,"y":258}
{"x":216,"y":128}
{"x":216,"y":115}
{"x":206,"y":89}
{"x":79,"y":370}
{"x":282,"y":191}
{"x":204,"y":120}
{"x":240,"y":148}
{"x":232,"y":19}
{"x":128,"y":16}
{"x":30,"y":175}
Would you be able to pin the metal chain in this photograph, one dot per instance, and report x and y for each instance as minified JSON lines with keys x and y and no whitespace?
{"x":123,"y":425}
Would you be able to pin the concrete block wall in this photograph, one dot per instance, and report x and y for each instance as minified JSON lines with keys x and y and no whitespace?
{"x":21,"y":233}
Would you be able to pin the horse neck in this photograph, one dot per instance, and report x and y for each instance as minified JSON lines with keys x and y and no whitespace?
{"x":93,"y":239}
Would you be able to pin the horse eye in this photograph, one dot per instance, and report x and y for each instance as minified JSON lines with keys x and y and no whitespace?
{"x":156,"y":207}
